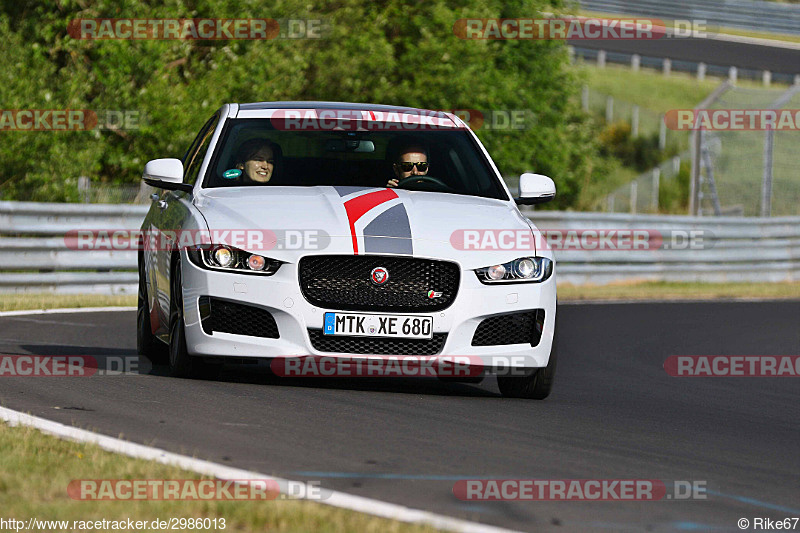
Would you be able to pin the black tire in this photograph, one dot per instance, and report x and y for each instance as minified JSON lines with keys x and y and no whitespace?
{"x":181,"y":364}
{"x":147,"y":344}
{"x":536,"y":386}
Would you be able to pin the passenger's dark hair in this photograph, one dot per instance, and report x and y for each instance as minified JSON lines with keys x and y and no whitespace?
{"x":250,"y":148}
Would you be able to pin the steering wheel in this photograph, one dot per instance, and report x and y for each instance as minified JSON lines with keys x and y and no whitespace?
{"x":422,"y":179}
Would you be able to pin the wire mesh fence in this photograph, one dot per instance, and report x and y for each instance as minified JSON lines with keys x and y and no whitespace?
{"x":751,"y":172}
{"x":643,"y":194}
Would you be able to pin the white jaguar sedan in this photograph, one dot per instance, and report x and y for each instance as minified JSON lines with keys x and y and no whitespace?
{"x":310,"y":229}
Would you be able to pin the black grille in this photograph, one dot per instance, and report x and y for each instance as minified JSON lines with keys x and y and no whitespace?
{"x":512,"y":328}
{"x":376,"y":346}
{"x":239,"y":319}
{"x":344,"y":282}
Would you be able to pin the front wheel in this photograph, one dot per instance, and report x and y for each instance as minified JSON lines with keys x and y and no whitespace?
{"x":536,"y":386}
{"x":147,"y":344}
{"x":181,"y":364}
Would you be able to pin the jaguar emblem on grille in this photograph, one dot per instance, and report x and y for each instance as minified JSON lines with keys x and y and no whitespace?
{"x":379,"y":275}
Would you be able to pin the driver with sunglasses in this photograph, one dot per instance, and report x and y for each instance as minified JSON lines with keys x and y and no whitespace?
{"x":412,"y":160}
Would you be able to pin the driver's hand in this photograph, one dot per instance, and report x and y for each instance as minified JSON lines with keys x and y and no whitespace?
{"x":392,"y":182}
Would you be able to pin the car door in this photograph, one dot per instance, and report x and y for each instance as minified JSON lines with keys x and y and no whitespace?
{"x":171,"y":209}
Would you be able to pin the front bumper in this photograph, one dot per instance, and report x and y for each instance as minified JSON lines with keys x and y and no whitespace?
{"x":280,"y":295}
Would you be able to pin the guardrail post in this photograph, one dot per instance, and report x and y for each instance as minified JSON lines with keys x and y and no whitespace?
{"x":733,"y":74}
{"x":635,"y":121}
{"x":676,"y":164}
{"x":636,"y":61}
{"x":571,"y":52}
{"x":610,"y":200}
{"x":701,"y":71}
{"x":601,"y":58}
{"x":667,"y":66}
{"x":634,"y":195}
{"x":766,"y":78}
{"x":610,"y":109}
{"x":797,"y":79}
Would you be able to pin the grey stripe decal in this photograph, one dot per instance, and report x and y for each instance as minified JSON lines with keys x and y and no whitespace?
{"x":390,"y":233}
{"x":344,"y":190}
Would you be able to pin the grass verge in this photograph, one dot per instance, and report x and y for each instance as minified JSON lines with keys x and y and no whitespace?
{"x":659,"y":290}
{"x":35,"y":470}
{"x":18,"y":302}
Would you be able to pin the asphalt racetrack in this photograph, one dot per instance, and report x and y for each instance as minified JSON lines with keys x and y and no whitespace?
{"x":710,"y":51}
{"x":614,"y":414}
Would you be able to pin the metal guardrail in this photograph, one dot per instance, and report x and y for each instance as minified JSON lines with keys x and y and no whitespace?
{"x":34,"y":256}
{"x":746,"y":14}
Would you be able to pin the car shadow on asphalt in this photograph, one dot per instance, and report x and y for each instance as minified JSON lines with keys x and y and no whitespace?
{"x":120,"y":361}
{"x":261,"y":374}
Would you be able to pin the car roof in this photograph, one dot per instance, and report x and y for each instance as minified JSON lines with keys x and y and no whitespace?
{"x":257,"y":106}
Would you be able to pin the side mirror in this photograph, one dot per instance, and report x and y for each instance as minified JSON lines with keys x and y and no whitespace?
{"x":166,"y":174}
{"x":535,"y":189}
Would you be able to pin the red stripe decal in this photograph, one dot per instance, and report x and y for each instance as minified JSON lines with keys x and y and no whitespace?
{"x":357,"y":207}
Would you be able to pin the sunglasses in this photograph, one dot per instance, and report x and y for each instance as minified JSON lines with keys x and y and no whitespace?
{"x":406,"y":166}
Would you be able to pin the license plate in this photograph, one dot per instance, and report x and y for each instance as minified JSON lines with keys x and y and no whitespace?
{"x":366,"y":325}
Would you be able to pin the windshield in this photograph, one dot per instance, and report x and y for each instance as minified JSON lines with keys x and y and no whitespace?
{"x":253,"y":152}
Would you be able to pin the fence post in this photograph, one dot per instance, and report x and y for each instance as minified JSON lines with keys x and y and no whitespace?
{"x":676,"y":164}
{"x":83,"y":189}
{"x":636,"y":61}
{"x":766,"y":78}
{"x":797,"y":79}
{"x":701,"y":71}
{"x":610,"y":200}
{"x":667,"y":66}
{"x":634,"y":195}
{"x":635,"y":121}
{"x":766,"y":181}
{"x":585,"y":98}
{"x":610,"y":109}
{"x":732,"y":74}
{"x":656,"y":184}
{"x":662,"y":133}
{"x":601,"y":58}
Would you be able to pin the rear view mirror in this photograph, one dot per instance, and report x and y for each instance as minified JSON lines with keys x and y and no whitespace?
{"x":165,"y":174}
{"x":349,"y":145}
{"x":535,"y":189}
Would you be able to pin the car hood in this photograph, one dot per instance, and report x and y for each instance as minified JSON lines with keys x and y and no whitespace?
{"x":298,"y":221}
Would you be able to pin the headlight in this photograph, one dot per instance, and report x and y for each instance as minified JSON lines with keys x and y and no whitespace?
{"x":535,"y":269}
{"x":230,"y":259}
